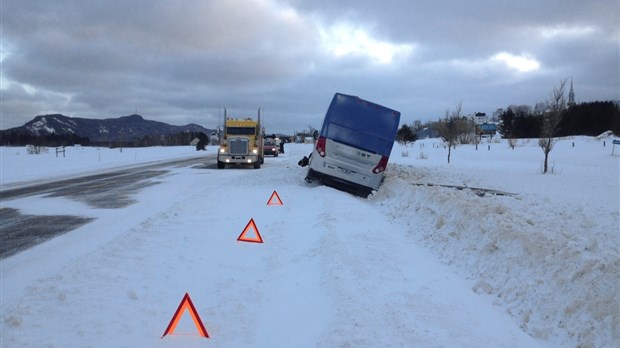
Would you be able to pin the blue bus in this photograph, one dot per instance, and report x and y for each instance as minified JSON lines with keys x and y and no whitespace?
{"x":354,"y":145}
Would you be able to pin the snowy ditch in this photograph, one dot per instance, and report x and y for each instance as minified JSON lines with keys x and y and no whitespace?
{"x":551,"y":266}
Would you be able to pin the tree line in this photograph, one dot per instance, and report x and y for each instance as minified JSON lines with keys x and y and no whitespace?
{"x":524,"y":121}
{"x":546,"y":121}
{"x":592,"y":119}
{"x":55,"y":140}
{"x":51,"y":140}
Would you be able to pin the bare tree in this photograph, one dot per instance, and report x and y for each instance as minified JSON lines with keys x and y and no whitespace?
{"x":467,"y":134}
{"x":540,"y":108}
{"x":551,"y":118}
{"x":512,"y":142}
{"x":313,"y":132}
{"x":451,"y":127}
{"x":417,"y":125}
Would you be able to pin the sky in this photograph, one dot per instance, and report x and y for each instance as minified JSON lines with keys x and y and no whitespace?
{"x":183,"y":62}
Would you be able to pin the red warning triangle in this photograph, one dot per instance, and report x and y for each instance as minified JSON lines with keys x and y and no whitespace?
{"x":243,"y":237}
{"x":274,"y":199}
{"x":186,"y":303}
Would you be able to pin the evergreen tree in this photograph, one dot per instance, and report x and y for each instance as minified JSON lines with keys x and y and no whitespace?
{"x":506,"y":128}
{"x":405,"y":135}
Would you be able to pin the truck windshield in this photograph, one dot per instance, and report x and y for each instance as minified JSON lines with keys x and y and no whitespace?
{"x":241,"y":130}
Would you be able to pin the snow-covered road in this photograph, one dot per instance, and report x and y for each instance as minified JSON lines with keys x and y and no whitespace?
{"x":412,"y":266}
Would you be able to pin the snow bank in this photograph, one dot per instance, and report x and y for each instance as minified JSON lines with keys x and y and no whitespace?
{"x":552,"y":263}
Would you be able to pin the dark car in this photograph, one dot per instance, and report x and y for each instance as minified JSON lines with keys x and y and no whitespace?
{"x":270,"y":147}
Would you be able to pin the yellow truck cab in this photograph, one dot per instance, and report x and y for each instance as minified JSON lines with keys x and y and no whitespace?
{"x":241,"y":143}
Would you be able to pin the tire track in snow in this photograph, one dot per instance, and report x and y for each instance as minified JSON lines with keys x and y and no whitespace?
{"x":358,"y":265}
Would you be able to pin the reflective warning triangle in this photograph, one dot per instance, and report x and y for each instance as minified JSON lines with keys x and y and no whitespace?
{"x":274,"y":199}
{"x":186,"y":303}
{"x":243,"y":237}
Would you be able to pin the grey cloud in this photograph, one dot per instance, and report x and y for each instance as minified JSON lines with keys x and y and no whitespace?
{"x":181,"y":62}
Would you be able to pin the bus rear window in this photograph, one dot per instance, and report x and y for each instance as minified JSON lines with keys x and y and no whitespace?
{"x":360,"y":140}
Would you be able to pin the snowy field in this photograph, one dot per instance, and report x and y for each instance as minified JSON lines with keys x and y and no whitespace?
{"x":412,"y":266}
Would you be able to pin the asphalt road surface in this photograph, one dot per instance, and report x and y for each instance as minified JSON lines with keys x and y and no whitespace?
{"x":109,"y":190}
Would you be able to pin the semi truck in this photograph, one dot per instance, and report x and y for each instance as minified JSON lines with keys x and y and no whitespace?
{"x":354,"y":145}
{"x":241,"y":142}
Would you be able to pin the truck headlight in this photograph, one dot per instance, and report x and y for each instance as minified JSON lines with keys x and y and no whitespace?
{"x":255,"y":151}
{"x":222,"y":150}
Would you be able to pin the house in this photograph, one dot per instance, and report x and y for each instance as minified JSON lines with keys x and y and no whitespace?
{"x":480,"y":118}
{"x":486,"y":129}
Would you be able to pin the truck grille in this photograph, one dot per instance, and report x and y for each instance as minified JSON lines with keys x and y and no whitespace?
{"x":238,"y":146}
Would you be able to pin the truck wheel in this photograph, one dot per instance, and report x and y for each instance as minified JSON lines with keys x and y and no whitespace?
{"x":257,"y":165}
{"x":262,"y":160}
{"x":221,"y":165}
{"x":276,"y":155}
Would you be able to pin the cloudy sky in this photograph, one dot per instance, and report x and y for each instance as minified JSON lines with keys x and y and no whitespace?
{"x":184,"y":61}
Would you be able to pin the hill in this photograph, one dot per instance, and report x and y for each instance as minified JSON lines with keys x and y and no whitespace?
{"x":124,"y":129}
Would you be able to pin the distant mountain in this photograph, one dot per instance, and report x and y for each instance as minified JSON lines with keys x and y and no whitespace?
{"x":125,"y":128}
